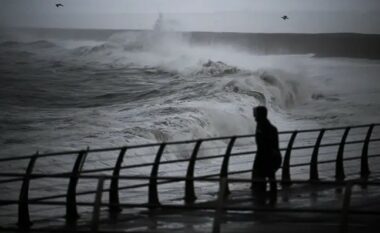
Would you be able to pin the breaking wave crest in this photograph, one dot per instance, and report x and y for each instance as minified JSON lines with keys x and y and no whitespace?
{"x":39,"y":44}
{"x":160,"y":86}
{"x":216,"y":69}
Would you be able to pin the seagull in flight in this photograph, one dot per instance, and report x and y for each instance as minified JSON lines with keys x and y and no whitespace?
{"x":285,"y":17}
{"x":59,"y":5}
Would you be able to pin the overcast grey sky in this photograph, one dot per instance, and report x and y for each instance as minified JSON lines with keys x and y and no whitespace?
{"x":306,"y":16}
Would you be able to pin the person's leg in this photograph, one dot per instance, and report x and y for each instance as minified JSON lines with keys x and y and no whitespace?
{"x":258,"y":180}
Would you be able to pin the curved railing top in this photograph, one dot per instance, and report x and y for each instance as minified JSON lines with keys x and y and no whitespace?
{"x":107,"y":149}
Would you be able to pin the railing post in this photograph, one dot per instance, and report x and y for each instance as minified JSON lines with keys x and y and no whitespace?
{"x":314,"y":157}
{"x":71,"y":203}
{"x":364,"y":171}
{"x":339,"y":168}
{"x":23,"y":205}
{"x":285,"y":177}
{"x":226,"y":159}
{"x":190,"y":196}
{"x":114,"y":187}
{"x":153,"y":193}
{"x":97,"y":205}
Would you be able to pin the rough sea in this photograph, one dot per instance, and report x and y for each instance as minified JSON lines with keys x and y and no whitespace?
{"x":64,"y":91}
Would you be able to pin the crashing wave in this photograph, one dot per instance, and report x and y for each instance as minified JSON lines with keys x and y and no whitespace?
{"x":216,"y":69}
{"x":88,"y":50}
{"x":9,"y":44}
{"x":285,"y":88}
{"x":244,"y":88}
{"x":40,"y":44}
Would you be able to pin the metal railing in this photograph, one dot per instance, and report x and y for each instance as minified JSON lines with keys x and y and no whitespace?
{"x":154,"y":179}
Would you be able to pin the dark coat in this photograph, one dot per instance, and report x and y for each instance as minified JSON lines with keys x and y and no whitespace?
{"x":268,"y":157}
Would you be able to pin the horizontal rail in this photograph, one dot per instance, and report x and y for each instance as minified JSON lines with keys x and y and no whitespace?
{"x":73,"y":152}
{"x":233,"y":180}
{"x":208,"y":179}
{"x":211,"y":157}
{"x":170,"y":179}
{"x":68,"y":174}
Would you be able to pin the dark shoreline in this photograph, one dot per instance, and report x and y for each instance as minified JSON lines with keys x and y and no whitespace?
{"x":353,"y":45}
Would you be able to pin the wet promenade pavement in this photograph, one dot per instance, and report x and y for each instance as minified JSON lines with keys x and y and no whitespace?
{"x":299,"y":208}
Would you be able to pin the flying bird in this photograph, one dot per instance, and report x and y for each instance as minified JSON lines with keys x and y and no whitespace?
{"x":285,"y":17}
{"x":59,"y":5}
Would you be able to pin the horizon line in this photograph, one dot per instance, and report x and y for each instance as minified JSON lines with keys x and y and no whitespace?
{"x":184,"y":31}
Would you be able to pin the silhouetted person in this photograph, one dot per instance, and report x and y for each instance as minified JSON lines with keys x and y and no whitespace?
{"x":268,"y":157}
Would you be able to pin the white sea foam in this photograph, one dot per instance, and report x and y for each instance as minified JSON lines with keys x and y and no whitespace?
{"x":147,"y":86}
